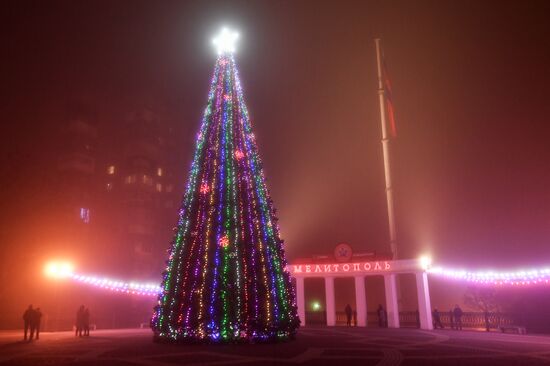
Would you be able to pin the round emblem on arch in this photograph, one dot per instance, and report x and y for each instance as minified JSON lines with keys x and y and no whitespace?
{"x":343,"y":252}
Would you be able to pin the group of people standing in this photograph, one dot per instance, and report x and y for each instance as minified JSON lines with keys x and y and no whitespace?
{"x":352,"y":314}
{"x":31,"y":319}
{"x":455,"y":317}
{"x":82,"y":322}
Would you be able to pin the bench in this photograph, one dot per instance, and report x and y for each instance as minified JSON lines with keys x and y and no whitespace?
{"x":516,"y":329}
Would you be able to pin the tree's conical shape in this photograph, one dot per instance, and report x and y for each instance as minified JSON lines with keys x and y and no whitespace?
{"x":226,"y":278}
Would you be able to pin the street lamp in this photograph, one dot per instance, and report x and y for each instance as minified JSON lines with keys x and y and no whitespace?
{"x":425,"y":262}
{"x":58,"y":270}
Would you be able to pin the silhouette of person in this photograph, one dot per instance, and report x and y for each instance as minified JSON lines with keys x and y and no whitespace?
{"x":86,"y":322}
{"x":354,"y":318}
{"x":348,"y":312}
{"x":36,"y":319}
{"x":381,"y":316}
{"x":35,"y":322}
{"x":27,"y":319}
{"x":437,"y":319}
{"x":79,"y":321}
{"x":451,"y":319}
{"x":457,"y":312}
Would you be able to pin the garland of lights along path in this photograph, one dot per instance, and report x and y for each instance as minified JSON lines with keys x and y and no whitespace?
{"x":225,"y":279}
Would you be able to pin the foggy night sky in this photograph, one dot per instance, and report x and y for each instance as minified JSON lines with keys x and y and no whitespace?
{"x":470,"y":89}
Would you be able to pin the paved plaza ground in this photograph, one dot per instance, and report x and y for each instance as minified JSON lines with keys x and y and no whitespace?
{"x":313,"y":346}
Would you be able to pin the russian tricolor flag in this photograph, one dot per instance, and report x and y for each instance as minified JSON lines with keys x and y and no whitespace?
{"x":389,"y":100}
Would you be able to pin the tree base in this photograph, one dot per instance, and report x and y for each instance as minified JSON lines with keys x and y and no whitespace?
{"x":277,"y":337}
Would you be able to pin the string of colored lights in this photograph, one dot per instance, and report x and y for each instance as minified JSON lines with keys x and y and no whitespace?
{"x":225,"y":278}
{"x":511,"y":278}
{"x":133,"y":288}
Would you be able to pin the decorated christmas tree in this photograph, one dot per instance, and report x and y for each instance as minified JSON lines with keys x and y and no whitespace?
{"x":225,"y":278}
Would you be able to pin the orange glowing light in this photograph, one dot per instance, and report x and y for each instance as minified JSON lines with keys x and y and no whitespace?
{"x":56,"y":269}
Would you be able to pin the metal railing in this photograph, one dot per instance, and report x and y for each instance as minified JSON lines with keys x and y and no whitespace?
{"x":410,"y":319}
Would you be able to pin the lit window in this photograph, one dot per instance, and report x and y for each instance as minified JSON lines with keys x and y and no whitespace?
{"x":147,"y":180}
{"x":130,"y":179}
{"x":111,"y":169}
{"x":159,"y":187}
{"x":109,"y":186}
{"x":159,"y":172}
{"x":85,"y":215}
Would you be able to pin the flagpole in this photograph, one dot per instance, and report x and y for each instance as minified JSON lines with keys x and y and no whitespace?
{"x":386,"y":152}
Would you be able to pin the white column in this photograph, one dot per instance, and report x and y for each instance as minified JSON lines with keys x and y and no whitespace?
{"x":301,"y":300}
{"x":391,"y":301}
{"x":360,"y":301}
{"x":424,"y":305}
{"x":329,"y":295}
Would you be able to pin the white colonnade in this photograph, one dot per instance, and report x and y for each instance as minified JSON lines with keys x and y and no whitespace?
{"x":359,"y":271}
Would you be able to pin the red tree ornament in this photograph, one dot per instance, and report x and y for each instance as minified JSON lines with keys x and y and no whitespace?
{"x":205,"y":188}
{"x":224,"y":241}
{"x":239,"y":154}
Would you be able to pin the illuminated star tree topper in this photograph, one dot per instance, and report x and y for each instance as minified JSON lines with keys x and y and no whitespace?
{"x":225,"y":41}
